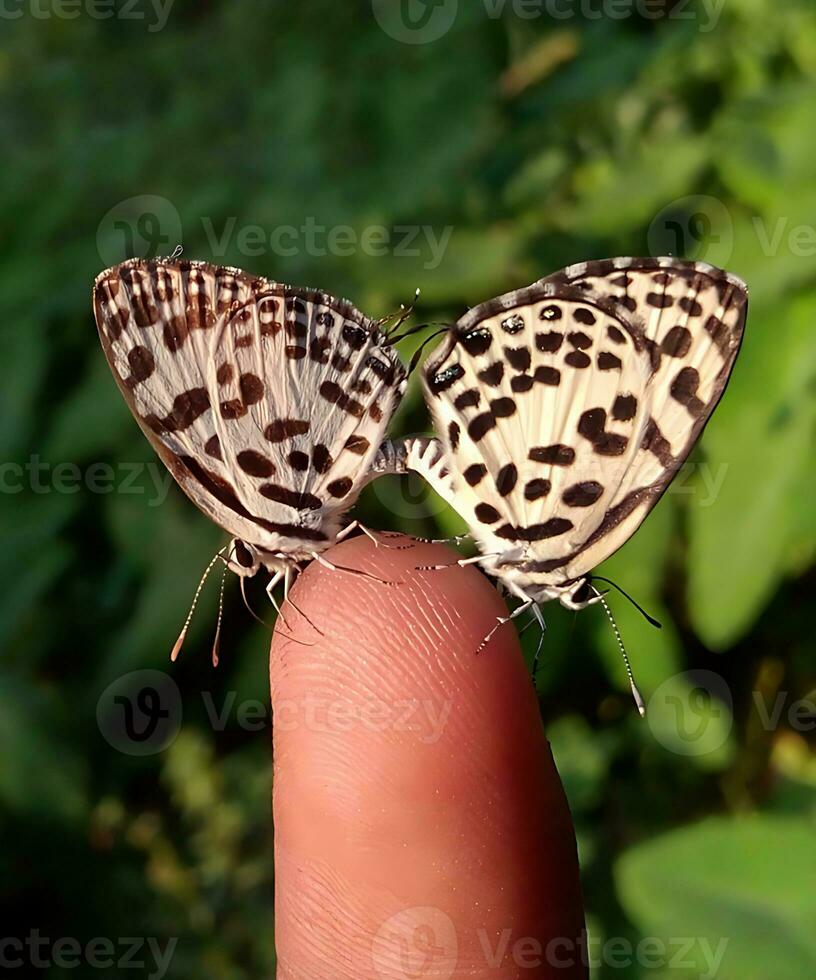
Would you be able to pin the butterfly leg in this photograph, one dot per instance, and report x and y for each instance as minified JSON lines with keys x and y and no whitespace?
{"x":453,"y":564}
{"x":355,"y":525}
{"x":456,"y":539}
{"x":289,"y":575}
{"x":347,"y":530}
{"x":270,"y":588}
{"x":352,"y":571}
{"x":538,"y":616}
{"x":501,"y":620}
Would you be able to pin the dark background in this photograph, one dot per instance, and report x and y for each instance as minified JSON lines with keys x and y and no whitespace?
{"x":521,"y":143}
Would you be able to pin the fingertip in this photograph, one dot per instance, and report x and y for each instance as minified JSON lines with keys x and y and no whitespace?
{"x":411,"y":772}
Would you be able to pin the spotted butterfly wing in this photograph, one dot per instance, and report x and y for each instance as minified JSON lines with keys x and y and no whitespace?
{"x":565,"y":409}
{"x":268,"y":403}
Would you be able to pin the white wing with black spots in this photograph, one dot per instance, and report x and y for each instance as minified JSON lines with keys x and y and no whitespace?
{"x":268,"y":403}
{"x":565,"y":409}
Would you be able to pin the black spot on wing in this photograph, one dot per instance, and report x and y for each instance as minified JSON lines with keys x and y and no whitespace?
{"x":297,"y":499}
{"x":493,"y":374}
{"x":506,"y":479}
{"x":486,"y":514}
{"x":624,"y":408}
{"x":536,"y":488}
{"x":582,"y":494}
{"x":684,"y":390}
{"x":255,"y":463}
{"x":555,"y":455}
{"x":475,"y":473}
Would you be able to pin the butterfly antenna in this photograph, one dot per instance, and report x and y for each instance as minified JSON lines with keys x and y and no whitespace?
{"x":418,"y":352}
{"x":399,"y":316}
{"x":394,"y":338}
{"x":179,"y":642}
{"x":220,"y":616}
{"x":649,"y":619}
{"x":177,"y":252}
{"x":641,"y":706}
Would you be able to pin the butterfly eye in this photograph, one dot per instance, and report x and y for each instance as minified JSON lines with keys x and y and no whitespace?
{"x":241,"y":558}
{"x":582,"y":592}
{"x":513,"y":324}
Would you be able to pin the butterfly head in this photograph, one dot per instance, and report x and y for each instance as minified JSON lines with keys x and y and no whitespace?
{"x":573,"y":595}
{"x":242,"y":558}
{"x":246,"y":559}
{"x":578,"y":594}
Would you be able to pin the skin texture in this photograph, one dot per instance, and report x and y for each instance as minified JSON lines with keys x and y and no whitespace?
{"x":421,"y":827}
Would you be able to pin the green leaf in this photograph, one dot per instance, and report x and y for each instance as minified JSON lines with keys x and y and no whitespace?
{"x":40,"y":771}
{"x":582,"y":759}
{"x":746,"y":883}
{"x":619,"y":194}
{"x":761,"y":440}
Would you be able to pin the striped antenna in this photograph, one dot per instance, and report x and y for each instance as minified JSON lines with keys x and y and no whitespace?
{"x":641,"y":705}
{"x":220,"y":615}
{"x":179,"y":642}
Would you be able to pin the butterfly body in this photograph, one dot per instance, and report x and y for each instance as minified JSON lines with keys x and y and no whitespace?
{"x":268,"y":403}
{"x":563,"y":411}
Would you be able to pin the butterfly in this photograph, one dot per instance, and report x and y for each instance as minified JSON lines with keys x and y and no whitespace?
{"x":268,"y":403}
{"x":564,"y":410}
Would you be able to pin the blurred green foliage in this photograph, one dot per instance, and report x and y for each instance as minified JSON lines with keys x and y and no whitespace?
{"x":531,"y":143}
